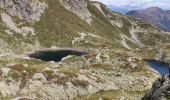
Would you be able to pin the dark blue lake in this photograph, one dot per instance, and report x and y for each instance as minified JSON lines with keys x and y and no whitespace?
{"x":56,"y":54}
{"x":161,"y":67}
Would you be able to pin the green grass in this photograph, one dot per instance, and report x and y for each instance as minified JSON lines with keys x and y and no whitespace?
{"x":60,"y":25}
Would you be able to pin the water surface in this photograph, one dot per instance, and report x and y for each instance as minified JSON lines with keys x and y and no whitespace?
{"x":161,"y":67}
{"x":56,"y":54}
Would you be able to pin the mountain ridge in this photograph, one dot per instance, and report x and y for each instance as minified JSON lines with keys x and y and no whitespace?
{"x":155,"y":15}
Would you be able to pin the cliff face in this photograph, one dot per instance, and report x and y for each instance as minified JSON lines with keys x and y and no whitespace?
{"x":160,"y":89}
{"x":79,"y":8}
{"x":24,"y":9}
{"x":116,"y":45}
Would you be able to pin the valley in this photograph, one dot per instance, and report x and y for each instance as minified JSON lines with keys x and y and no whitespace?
{"x":72,"y":49}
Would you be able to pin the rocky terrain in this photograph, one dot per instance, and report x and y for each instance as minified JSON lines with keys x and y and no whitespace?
{"x":112,"y":67}
{"x":160,"y":90}
{"x":154,"y":15}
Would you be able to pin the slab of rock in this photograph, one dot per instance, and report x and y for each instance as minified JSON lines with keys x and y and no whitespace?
{"x":159,"y":90}
{"x":24,"y":9}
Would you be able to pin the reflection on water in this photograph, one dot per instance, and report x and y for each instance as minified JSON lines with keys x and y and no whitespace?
{"x":161,"y":67}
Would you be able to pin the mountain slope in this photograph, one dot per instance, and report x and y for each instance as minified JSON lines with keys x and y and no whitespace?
{"x":155,"y":15}
{"x":116,"y":45}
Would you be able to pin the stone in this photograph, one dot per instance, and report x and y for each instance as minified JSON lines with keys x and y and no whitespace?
{"x":24,"y":9}
{"x":159,"y":90}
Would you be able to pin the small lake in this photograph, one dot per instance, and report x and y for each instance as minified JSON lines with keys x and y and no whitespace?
{"x":161,"y":67}
{"x":52,"y":54}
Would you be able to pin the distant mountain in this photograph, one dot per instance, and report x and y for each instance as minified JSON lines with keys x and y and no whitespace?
{"x":123,"y":9}
{"x":118,"y":9}
{"x":154,"y":15}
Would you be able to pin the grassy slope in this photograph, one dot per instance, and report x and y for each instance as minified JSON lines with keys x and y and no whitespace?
{"x":58,"y":27}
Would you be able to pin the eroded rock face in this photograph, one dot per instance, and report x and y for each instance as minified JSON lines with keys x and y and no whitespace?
{"x":24,"y":9}
{"x":159,"y":90}
{"x":79,"y":7}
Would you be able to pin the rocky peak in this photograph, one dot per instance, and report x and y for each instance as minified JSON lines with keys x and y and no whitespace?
{"x":153,"y":15}
{"x":24,"y":9}
{"x":154,"y":9}
{"x":160,"y":89}
{"x":78,"y":7}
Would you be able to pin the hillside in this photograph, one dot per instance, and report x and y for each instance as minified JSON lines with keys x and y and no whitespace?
{"x":100,"y":52}
{"x":154,"y":15}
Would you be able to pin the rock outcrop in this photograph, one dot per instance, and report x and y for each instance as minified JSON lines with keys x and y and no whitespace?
{"x":160,"y":89}
{"x":79,"y":7}
{"x":24,"y":9}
